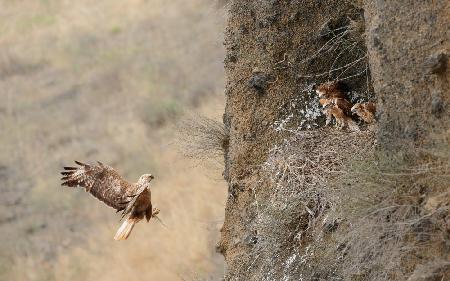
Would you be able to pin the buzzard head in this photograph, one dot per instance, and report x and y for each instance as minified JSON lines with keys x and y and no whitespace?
{"x":145,"y":179}
{"x":320,"y":92}
{"x":326,"y":90}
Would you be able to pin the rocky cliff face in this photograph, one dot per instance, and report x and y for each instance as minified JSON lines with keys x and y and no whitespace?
{"x":409,"y":48}
{"x":285,"y":211}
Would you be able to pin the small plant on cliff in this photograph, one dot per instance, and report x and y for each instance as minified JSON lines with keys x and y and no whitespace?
{"x":201,"y":137}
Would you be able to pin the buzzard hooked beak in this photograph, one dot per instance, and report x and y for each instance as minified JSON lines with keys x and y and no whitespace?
{"x":152,"y":177}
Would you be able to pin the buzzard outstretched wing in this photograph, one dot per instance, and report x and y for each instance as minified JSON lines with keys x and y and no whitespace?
{"x":102,"y":181}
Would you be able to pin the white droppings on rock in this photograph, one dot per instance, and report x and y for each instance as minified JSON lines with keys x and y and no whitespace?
{"x":300,"y":113}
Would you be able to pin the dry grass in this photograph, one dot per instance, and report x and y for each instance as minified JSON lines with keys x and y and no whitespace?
{"x":297,"y":211}
{"x":359,"y":214}
{"x":96,"y":81}
{"x":396,"y":214}
{"x":302,"y":168}
{"x":202,"y":138}
{"x":192,"y":208}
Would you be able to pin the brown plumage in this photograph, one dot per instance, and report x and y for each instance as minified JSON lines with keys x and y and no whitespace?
{"x":331,"y":89}
{"x":103,"y":182}
{"x":365,"y":111}
{"x":342,"y":120}
{"x":324,"y":102}
{"x":335,"y":104}
{"x":343,"y":104}
{"x":332,"y":99}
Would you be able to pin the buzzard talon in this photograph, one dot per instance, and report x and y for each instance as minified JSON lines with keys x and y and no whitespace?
{"x":155,"y":213}
{"x":104,"y":183}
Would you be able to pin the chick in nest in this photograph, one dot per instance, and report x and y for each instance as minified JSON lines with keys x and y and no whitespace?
{"x":335,"y":104}
{"x":342,"y":104}
{"x":331,"y":89}
{"x":365,"y":111}
{"x":332,"y":92}
{"x":342,"y":120}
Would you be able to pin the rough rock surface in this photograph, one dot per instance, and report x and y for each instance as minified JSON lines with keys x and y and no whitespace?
{"x":272,"y":46}
{"x":408,"y":49}
{"x":274,"y":58}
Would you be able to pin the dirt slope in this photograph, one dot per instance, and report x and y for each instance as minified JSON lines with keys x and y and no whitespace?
{"x":83,"y":80}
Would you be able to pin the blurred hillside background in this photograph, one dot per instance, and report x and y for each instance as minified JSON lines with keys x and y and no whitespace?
{"x":107,"y":80}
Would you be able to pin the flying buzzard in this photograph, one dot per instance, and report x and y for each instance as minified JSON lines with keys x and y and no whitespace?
{"x":102,"y":181}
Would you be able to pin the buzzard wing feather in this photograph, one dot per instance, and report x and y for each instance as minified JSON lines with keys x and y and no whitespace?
{"x":102,"y":181}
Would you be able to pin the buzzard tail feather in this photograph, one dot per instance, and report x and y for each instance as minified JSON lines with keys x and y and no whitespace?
{"x":125,"y":229}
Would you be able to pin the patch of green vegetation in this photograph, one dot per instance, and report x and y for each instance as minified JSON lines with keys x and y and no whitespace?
{"x":157,"y":113}
{"x":116,"y":29}
{"x":5,"y":266}
{"x":46,"y":2}
{"x":27,"y":24}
